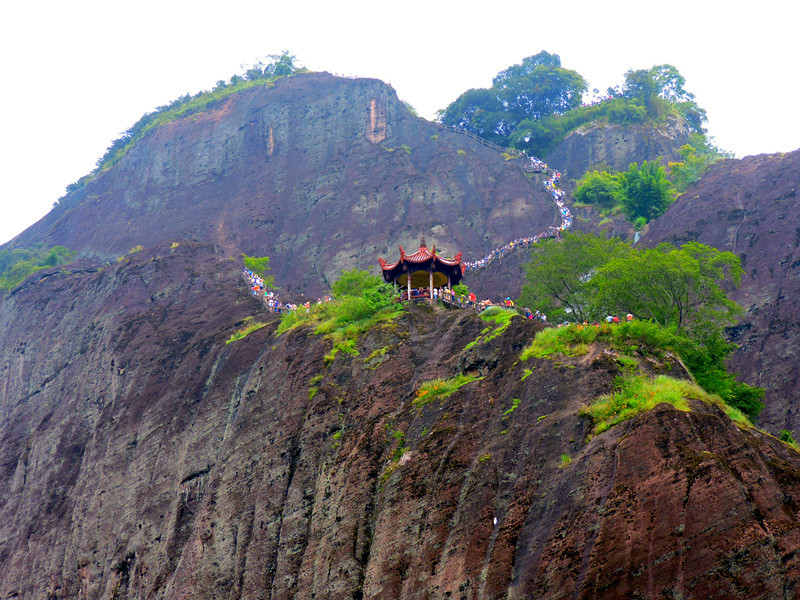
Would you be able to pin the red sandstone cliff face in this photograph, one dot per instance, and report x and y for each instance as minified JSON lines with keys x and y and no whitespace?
{"x":142,"y":457}
{"x":750,"y":207}
{"x":319,"y":173}
{"x":613,"y":147}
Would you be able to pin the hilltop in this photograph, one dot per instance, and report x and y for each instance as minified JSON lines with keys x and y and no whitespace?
{"x":319,"y":173}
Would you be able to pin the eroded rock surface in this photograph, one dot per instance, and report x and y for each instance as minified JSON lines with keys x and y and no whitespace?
{"x":749,"y":207}
{"x":609,"y":146}
{"x":143,"y":457}
{"x":317,"y":172}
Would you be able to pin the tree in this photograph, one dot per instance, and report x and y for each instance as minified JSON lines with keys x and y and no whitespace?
{"x":676,"y":287}
{"x":478,"y":111}
{"x":644,"y":191}
{"x":355,"y":283}
{"x":696,"y":157}
{"x":259,"y":266}
{"x":533,"y":90}
{"x":539,"y":87}
{"x":661,"y":87}
{"x":598,"y":188}
{"x":560,"y":270}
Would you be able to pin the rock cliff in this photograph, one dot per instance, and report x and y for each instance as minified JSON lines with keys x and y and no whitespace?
{"x":608,"y":146}
{"x":143,"y":457}
{"x":750,"y":207}
{"x":317,"y":172}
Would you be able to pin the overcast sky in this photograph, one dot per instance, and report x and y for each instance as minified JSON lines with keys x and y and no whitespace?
{"x":77,"y":74}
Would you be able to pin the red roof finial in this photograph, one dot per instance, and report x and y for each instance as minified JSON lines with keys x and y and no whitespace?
{"x":422,"y":243}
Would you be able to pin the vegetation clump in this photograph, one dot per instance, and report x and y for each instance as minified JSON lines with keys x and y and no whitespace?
{"x":360,"y":302}
{"x":19,"y":263}
{"x":440,"y":388}
{"x":644,"y":192}
{"x":532,"y":106}
{"x":249,"y":327}
{"x":259,"y":266}
{"x":501,"y":317}
{"x":645,"y":338}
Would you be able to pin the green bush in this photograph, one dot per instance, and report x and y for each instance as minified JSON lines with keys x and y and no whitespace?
{"x":249,"y":327}
{"x":19,"y":263}
{"x":361,"y":302}
{"x":598,"y":188}
{"x":440,"y":388}
{"x":259,"y":266}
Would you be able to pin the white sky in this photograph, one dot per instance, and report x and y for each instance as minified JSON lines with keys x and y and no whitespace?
{"x":77,"y":74}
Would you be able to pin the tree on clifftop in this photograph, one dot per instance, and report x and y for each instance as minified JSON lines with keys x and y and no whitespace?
{"x":537,"y":88}
{"x":660,"y":87}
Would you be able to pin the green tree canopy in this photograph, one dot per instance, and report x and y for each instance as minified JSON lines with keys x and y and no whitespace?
{"x":683,"y":289}
{"x":559,"y":272}
{"x":598,"y":188}
{"x":532,"y":90}
{"x":661,"y":87}
{"x":644,"y":191}
{"x":677,"y":287}
{"x":259,"y":266}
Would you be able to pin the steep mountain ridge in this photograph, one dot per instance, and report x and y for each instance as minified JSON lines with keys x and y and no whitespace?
{"x":318,"y":172}
{"x":749,"y":207}
{"x":142,"y":456}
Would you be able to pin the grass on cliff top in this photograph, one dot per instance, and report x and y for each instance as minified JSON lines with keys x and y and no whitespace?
{"x":440,"y":388}
{"x":249,"y":327}
{"x":501,"y":317}
{"x":638,"y":394}
{"x":342,"y":321}
{"x":574,"y":340}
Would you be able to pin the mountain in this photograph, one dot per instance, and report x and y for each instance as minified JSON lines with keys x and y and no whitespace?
{"x":749,"y":207}
{"x":146,"y":454}
{"x":144,"y":457}
{"x":319,"y":173}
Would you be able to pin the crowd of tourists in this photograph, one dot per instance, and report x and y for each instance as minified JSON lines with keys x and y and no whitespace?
{"x":270,"y":298}
{"x":525,"y":242}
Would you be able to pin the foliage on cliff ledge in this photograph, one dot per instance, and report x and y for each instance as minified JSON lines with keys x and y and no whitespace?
{"x":361,"y":301}
{"x":705,"y":361}
{"x":280,"y":65}
{"x":17,"y":264}
{"x":638,"y":394}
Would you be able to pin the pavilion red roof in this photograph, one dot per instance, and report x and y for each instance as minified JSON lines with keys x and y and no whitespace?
{"x":420,"y":256}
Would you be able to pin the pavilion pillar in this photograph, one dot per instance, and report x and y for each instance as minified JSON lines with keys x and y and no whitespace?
{"x":430,"y":286}
{"x":408,"y":272}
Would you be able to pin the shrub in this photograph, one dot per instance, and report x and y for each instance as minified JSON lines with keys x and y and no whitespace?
{"x":440,"y":388}
{"x":19,"y":263}
{"x":249,"y":327}
{"x":636,"y":395}
{"x":259,"y":266}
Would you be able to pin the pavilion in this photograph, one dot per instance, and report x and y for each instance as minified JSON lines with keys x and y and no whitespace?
{"x":423,"y":269}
